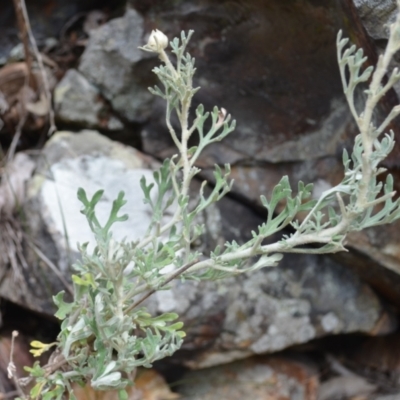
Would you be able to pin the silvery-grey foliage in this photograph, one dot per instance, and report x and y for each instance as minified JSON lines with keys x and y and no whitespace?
{"x":106,"y":333}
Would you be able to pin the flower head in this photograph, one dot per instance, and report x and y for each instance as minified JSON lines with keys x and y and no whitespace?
{"x":38,"y":347}
{"x":157,"y":42}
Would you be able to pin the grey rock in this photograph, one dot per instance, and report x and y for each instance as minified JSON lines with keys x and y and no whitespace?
{"x":377,"y":15}
{"x":304,"y":298}
{"x":110,"y":61}
{"x":44,"y":24}
{"x":78,"y":102}
{"x":345,"y":387}
{"x":255,"y":379}
{"x":285,"y":111}
{"x":289,"y":122}
{"x":90,"y":160}
{"x":70,"y":161}
{"x":287,"y":98}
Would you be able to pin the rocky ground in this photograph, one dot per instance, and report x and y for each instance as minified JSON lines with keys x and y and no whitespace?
{"x":316,"y":327}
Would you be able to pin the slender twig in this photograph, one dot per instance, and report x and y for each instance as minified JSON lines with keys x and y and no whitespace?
{"x":50,"y":368}
{"x":39,"y":58}
{"x":170,"y":278}
{"x":52,"y":266}
{"x":23,"y":30}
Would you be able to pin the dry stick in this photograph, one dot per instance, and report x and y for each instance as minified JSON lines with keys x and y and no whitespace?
{"x":50,"y":368}
{"x":17,"y":135}
{"x":12,"y":251}
{"x":31,"y":82}
{"x":180,"y":271}
{"x":39,"y":58}
{"x":22,"y":27}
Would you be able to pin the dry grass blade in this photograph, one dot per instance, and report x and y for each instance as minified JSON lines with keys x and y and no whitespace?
{"x":15,"y":254}
{"x":12,"y":187}
{"x":51,"y":265}
{"x":12,"y":192}
{"x":12,"y":195}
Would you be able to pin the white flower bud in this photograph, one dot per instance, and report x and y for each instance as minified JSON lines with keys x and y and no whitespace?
{"x":157,"y":41}
{"x":221,"y":116}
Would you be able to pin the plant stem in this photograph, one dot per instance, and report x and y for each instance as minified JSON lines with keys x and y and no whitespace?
{"x":170,"y":278}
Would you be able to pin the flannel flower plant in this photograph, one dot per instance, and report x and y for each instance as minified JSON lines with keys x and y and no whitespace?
{"x":106,"y":332}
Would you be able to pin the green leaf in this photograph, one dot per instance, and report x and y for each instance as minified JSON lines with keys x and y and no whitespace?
{"x":107,"y":381}
{"x":175,"y":327}
{"x":89,"y":207}
{"x":37,"y":371}
{"x":118,"y":203}
{"x":89,"y":204}
{"x":264,"y":202}
{"x":86,"y":280}
{"x":80,"y":330}
{"x":50,"y":395}
{"x":122,"y":394}
{"x":64,"y":308}
{"x":36,"y":390}
{"x":146,"y":189}
{"x":82,"y":197}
